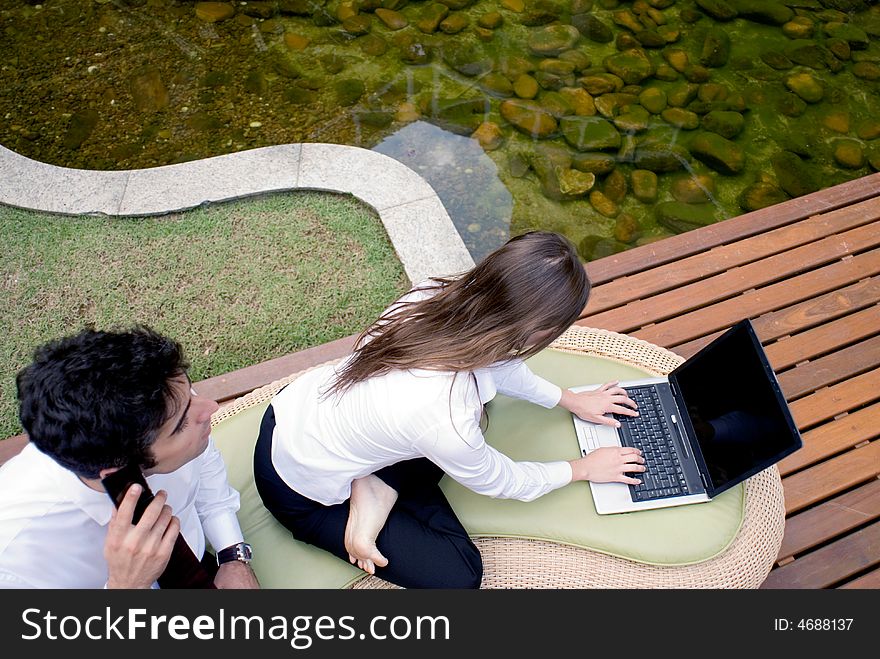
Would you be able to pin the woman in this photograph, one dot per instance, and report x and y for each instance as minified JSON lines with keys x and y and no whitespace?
{"x":349,"y":457}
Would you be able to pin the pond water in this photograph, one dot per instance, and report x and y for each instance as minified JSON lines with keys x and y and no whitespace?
{"x":613,"y":122}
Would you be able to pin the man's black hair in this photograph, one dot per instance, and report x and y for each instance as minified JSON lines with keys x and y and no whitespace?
{"x":97,"y":399}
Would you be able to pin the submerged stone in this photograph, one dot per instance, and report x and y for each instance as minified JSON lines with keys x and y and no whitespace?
{"x":681,"y":118}
{"x":147,"y":89}
{"x":726,"y":123}
{"x":489,"y":135}
{"x":614,"y":187}
{"x":806,"y":86}
{"x":552,"y":40}
{"x":660,"y":157}
{"x":631,"y":66}
{"x":525,"y":86}
{"x":849,"y":154}
{"x":596,"y":163}
{"x":81,"y":126}
{"x":574,"y":183}
{"x":693,"y":188}
{"x":590,"y":133}
{"x":592,"y":28}
{"x":349,"y":92}
{"x":469,"y":59}
{"x":214,"y":12}
{"x":601,"y":83}
{"x":794,"y":175}
{"x":529,"y":118}
{"x":653,"y":99}
{"x":644,"y":185}
{"x":626,"y":228}
{"x":603,"y":205}
{"x":769,"y":12}
{"x":720,"y":10}
{"x":761,"y":194}
{"x":680,"y":217}
{"x":716,"y":48}
{"x":718,"y":153}
{"x":596,"y":247}
{"x":580,"y":101}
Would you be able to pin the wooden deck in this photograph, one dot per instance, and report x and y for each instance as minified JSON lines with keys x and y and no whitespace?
{"x":807,"y":272}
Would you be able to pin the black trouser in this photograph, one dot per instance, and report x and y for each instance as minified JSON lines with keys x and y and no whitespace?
{"x":425,"y":544}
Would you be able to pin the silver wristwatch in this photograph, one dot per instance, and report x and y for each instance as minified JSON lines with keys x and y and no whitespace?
{"x":238,"y":552}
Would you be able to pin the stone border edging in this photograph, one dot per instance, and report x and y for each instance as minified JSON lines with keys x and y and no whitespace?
{"x":417,"y":223}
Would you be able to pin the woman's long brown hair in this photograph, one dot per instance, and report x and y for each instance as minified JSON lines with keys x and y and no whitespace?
{"x":533,"y":283}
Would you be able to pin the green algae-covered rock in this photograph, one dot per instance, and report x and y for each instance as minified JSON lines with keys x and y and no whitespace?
{"x":548,"y":162}
{"x":653,"y":99}
{"x":525,"y":86}
{"x":718,"y":153}
{"x":794,"y":175}
{"x":496,"y":84}
{"x":632,"y":119}
{"x":590,"y":133}
{"x":644,"y":185}
{"x":431,"y":17}
{"x":574,"y":183}
{"x":581,"y":102}
{"x":595,"y":163}
{"x":693,"y":188}
{"x":603,"y":205}
{"x":596,"y":247}
{"x":726,"y":123}
{"x":776,"y":60}
{"x":556,"y":104}
{"x":528,"y":117}
{"x":720,"y":10}
{"x":592,"y":28}
{"x":468,"y":58}
{"x":457,"y":115}
{"x":805,"y":85}
{"x":349,"y":92}
{"x":855,"y":36}
{"x":716,"y":48}
{"x":866,"y":70}
{"x":807,"y":53}
{"x":631,"y":66}
{"x":849,"y":154}
{"x":799,"y":27}
{"x":680,"y":217}
{"x":552,"y":40}
{"x":681,"y":118}
{"x":791,"y":105}
{"x":660,"y":156}
{"x":626,"y":228}
{"x":682,"y":93}
{"x":769,"y":12}
{"x":614,"y":187}
{"x":760,"y":195}
{"x":601,"y":83}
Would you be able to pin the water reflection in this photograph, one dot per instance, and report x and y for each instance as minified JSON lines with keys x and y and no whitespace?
{"x":464,"y":177}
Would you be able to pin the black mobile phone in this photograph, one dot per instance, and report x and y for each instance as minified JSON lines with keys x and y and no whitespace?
{"x":117,"y":485}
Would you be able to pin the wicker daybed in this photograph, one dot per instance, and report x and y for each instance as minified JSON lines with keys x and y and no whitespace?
{"x":524,"y":563}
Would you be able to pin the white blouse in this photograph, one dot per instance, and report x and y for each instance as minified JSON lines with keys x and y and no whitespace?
{"x":322,"y":443}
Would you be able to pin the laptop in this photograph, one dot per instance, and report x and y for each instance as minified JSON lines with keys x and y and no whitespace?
{"x":719,"y":418}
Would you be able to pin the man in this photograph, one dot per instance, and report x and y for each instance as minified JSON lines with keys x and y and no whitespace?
{"x":91,"y":404}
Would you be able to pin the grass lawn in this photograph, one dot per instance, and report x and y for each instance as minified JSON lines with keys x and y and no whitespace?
{"x":235,"y":283}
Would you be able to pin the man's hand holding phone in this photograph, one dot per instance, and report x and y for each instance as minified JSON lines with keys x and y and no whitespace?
{"x":137,"y":554}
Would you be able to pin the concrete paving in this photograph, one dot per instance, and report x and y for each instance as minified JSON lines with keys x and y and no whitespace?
{"x":418,"y":225}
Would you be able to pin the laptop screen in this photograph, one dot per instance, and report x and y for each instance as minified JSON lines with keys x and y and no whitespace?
{"x":737,"y":411}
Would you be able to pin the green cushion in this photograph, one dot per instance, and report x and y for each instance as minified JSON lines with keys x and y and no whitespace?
{"x":671,"y":536}
{"x":668,"y":536}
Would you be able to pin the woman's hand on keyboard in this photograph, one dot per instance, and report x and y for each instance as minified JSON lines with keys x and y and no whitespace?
{"x":592,"y":406}
{"x":609,"y":464}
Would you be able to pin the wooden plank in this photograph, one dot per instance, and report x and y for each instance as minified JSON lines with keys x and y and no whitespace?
{"x":827,"y":370}
{"x":684,"y":271}
{"x":237,"y":383}
{"x":828,"y":403}
{"x":733,"y":282}
{"x":754,"y":303}
{"x":870,"y":580}
{"x":830,"y":564}
{"x":830,"y":519}
{"x":685,"y":244}
{"x":804,"y":315}
{"x":823,"y":339}
{"x":834,"y":437}
{"x":831,"y":477}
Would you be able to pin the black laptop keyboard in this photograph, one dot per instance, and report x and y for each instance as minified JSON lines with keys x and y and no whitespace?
{"x":650,"y":433}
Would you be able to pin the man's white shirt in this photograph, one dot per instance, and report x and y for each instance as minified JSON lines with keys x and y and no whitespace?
{"x":53,"y":526}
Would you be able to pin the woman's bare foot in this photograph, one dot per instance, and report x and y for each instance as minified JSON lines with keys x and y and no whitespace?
{"x":371,"y":501}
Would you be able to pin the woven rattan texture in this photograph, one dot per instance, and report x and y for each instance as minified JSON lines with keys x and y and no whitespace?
{"x":521,"y":563}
